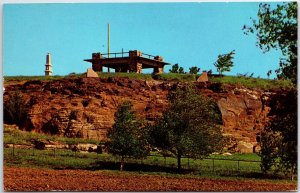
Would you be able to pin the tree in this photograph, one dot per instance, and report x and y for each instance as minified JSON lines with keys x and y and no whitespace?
{"x":190,"y":126}
{"x":224,"y":62}
{"x":194,"y":70}
{"x":181,"y":70}
{"x":269,"y":73}
{"x":279,"y":138}
{"x":177,"y":69}
{"x":174,"y":69}
{"x":126,"y":139}
{"x":15,"y":110}
{"x":277,"y":29}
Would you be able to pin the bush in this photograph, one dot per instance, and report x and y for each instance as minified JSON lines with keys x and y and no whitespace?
{"x":15,"y":109}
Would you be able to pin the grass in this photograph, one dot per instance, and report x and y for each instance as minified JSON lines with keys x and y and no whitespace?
{"x":41,"y":78}
{"x":16,"y":136}
{"x":63,"y":158}
{"x":66,"y":159}
{"x":216,"y":166}
{"x":175,"y":77}
{"x":248,"y":82}
{"x":252,"y":82}
{"x":125,"y":75}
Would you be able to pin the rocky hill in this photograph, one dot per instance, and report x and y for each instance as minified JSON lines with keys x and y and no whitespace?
{"x":85,"y":107}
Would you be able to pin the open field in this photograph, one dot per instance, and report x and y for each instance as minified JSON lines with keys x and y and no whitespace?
{"x":242,"y":166}
{"x":27,"y":179}
{"x":236,"y":165}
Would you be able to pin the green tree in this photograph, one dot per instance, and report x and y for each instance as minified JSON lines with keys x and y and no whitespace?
{"x":224,"y":62}
{"x":190,"y":126}
{"x":279,"y":138}
{"x":276,"y":28}
{"x":174,"y":69}
{"x":15,"y":110}
{"x":269,"y":73}
{"x":126,"y":138}
{"x":177,"y":69}
{"x":194,"y":70}
{"x":269,"y":142}
{"x":181,"y":70}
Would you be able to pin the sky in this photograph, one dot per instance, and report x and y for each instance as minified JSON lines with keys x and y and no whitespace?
{"x":190,"y":34}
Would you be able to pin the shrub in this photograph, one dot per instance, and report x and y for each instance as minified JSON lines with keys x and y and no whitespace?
{"x":15,"y":109}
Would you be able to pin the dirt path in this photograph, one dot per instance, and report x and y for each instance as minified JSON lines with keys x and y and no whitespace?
{"x":26,"y":179}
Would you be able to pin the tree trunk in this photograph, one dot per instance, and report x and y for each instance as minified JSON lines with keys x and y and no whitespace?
{"x":122,"y":164}
{"x":179,"y":163}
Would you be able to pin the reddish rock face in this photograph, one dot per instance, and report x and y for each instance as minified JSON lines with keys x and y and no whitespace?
{"x":85,"y":107}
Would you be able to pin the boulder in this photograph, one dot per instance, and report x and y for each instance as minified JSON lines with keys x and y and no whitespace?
{"x":91,"y":73}
{"x":203,"y":77}
{"x":86,"y":147}
{"x":245,"y":147}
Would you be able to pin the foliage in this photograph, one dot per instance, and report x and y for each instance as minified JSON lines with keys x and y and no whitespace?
{"x":277,"y":28}
{"x":194,"y":70}
{"x":174,"y":69}
{"x":269,"y":73}
{"x":181,"y":70}
{"x":126,"y":139}
{"x":279,"y":139}
{"x":189,"y":126}
{"x":177,"y":69}
{"x":224,"y":62}
{"x":269,"y":142}
{"x":15,"y":109}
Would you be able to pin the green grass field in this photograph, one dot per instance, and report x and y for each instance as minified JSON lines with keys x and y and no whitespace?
{"x":67,"y":158}
{"x":41,"y":78}
{"x":236,"y":165}
{"x":63,"y":158}
{"x":252,"y":82}
{"x":15,"y":136}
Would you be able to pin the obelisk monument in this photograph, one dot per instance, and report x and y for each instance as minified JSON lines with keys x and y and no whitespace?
{"x":48,"y":70}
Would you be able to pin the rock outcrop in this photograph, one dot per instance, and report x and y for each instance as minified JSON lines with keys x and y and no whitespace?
{"x":85,"y":107}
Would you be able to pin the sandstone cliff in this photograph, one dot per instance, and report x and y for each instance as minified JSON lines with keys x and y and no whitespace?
{"x":85,"y":107}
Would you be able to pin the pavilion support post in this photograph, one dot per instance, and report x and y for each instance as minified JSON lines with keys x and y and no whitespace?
{"x":160,"y":68}
{"x":139,"y":68}
{"x":97,"y":66}
{"x":134,"y":65}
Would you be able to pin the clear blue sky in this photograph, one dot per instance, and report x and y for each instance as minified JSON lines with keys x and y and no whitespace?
{"x":190,"y":34}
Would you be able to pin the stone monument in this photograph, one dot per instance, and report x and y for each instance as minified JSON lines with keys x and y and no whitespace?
{"x":48,"y":70}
